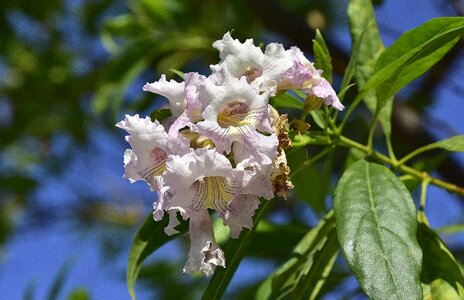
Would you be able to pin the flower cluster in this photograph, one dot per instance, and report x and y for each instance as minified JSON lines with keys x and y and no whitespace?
{"x":223,"y":147}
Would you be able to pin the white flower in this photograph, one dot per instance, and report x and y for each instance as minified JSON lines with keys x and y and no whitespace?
{"x":149,"y":141}
{"x":200,"y":179}
{"x":303,"y":75}
{"x":263,"y":70}
{"x":234,"y":112}
{"x":172,"y":90}
{"x":204,"y":254}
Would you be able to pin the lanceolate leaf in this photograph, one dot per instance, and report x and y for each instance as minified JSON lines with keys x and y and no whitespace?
{"x":322,"y":56}
{"x":455,"y":143}
{"x":286,"y":100}
{"x":376,"y":226}
{"x":233,"y":252}
{"x":150,"y":237}
{"x":417,"y":51}
{"x":304,"y":273}
{"x":441,"y":276}
{"x":368,"y":47}
{"x":413,"y":54}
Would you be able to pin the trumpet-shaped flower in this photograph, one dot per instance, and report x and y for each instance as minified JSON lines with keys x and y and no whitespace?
{"x":200,"y":179}
{"x":234,"y":112}
{"x":263,"y":70}
{"x":149,"y":141}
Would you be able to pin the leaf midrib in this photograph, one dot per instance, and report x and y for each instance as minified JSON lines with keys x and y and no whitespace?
{"x":377,"y":226}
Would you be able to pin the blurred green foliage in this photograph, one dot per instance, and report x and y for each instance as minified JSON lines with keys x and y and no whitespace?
{"x":69,"y":68}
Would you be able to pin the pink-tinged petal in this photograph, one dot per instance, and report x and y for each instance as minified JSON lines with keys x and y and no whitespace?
{"x":252,"y":177}
{"x":149,"y":142}
{"x":234,"y":111}
{"x":239,"y":214}
{"x":172,"y":90}
{"x":204,"y":254}
{"x":325,"y":91}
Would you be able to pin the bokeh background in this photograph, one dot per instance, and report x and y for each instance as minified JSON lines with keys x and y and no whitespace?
{"x":70,"y":69}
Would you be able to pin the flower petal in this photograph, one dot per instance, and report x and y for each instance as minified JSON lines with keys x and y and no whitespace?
{"x":239,"y":214}
{"x":149,"y":151}
{"x":204,"y":254}
{"x":172,"y":90}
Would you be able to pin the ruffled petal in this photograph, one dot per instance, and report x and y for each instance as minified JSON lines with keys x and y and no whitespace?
{"x":172,"y":90}
{"x":149,"y":142}
{"x":204,"y":254}
{"x":198,"y":180}
{"x":325,"y":91}
{"x":239,"y":214}
{"x":235,"y":110}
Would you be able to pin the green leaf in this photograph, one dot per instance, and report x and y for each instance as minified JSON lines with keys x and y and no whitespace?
{"x":376,"y":226}
{"x":322,"y":57}
{"x":441,"y":276}
{"x":455,"y":143}
{"x":160,"y":114}
{"x":234,"y":252}
{"x":315,"y":273}
{"x":310,"y":262}
{"x":303,"y":173}
{"x":149,"y":237}
{"x":178,"y":73}
{"x":286,"y":100}
{"x":318,"y":118}
{"x":368,"y":47}
{"x":79,"y":294}
{"x":415,"y":52}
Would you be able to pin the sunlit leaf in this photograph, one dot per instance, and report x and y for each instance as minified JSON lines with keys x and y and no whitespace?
{"x":149,"y":237}
{"x":455,"y":143}
{"x":322,"y":57}
{"x":367,"y":46}
{"x":415,"y":52}
{"x":376,"y":226}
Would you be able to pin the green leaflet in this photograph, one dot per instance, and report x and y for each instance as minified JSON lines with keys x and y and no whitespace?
{"x":160,"y":114}
{"x":376,"y":227}
{"x":412,"y":54}
{"x":416,"y":51}
{"x":367,"y":48}
{"x":322,"y":57}
{"x":305,"y":272}
{"x":309,"y":185}
{"x":455,"y":143}
{"x":233,"y":252}
{"x":286,"y":100}
{"x":441,"y":276}
{"x":149,"y":237}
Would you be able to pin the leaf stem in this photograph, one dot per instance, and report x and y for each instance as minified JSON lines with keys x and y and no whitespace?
{"x":423,"y":197}
{"x":346,"y":142}
{"x":414,"y":153}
